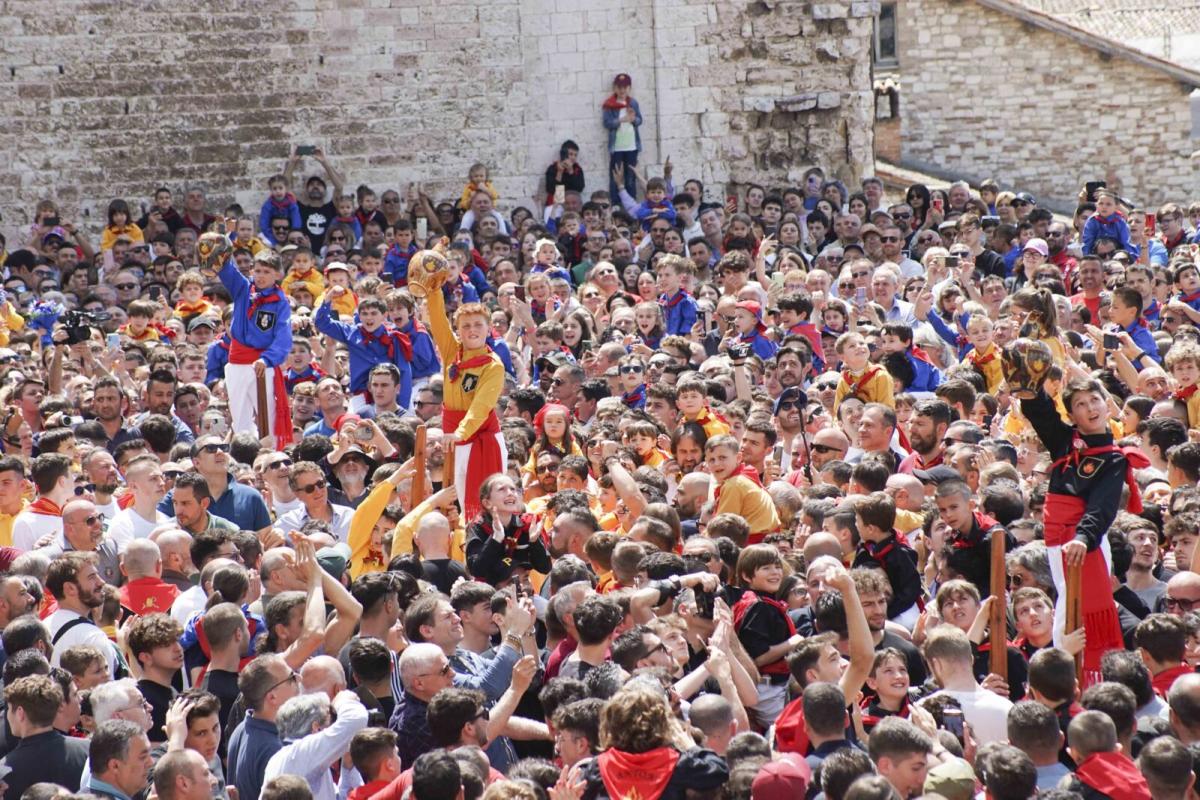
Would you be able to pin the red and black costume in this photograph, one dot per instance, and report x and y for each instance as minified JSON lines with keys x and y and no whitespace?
{"x":970,"y":553}
{"x":898,"y":560}
{"x":1086,"y":480}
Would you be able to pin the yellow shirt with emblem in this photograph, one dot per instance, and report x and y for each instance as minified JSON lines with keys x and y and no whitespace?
{"x":476,"y":397}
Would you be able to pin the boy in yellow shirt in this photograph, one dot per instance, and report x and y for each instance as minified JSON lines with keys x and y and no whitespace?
{"x":643,"y":438}
{"x":139,"y":329}
{"x":738,"y":489}
{"x":868,"y":382}
{"x":338,"y":274}
{"x":691,"y":398}
{"x":191,"y":297}
{"x":303,"y":270}
{"x":984,"y":354}
{"x":1183,"y":362}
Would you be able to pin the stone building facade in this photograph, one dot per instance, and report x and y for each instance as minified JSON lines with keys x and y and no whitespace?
{"x":992,"y":88}
{"x":107,"y":100}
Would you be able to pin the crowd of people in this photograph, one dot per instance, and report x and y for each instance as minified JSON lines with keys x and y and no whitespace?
{"x":645,"y":493}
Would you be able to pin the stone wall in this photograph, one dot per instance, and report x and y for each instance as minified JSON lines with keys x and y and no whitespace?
{"x":104,"y":100}
{"x":985,"y":95}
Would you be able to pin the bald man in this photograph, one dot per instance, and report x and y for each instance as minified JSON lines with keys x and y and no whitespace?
{"x":829,"y":444}
{"x":175,"y":547}
{"x":322,"y":674}
{"x":145,"y":592}
{"x":1183,"y":699}
{"x":1182,"y":593}
{"x":690,"y":497}
{"x":433,"y":542}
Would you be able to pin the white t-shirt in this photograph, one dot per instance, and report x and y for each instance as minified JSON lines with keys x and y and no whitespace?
{"x":30,"y":526}
{"x":109,"y":509}
{"x":85,"y":633}
{"x":128,"y":525}
{"x":985,"y":711}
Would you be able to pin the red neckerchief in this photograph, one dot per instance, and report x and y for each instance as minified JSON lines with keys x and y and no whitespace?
{"x":707,"y":415}
{"x":1171,"y":245}
{"x":981,"y":521}
{"x":981,"y":361}
{"x":857,"y":385}
{"x":1134,"y":459}
{"x":1115,"y":775}
{"x":260,"y":299}
{"x":741,"y":469}
{"x":1186,"y":392}
{"x":674,"y":301}
{"x":613,"y":104}
{"x":919,"y":354}
{"x":637,"y":776}
{"x":744,"y":604}
{"x":511,"y":540}
{"x":636,"y":398}
{"x":288,"y":200}
{"x":389,"y":339}
{"x":303,"y":276}
{"x":1189,"y":298}
{"x":870,"y":719}
{"x":46,"y":507}
{"x":877,"y":550}
{"x":455,"y":370}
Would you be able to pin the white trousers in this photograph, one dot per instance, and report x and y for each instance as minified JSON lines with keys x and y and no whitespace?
{"x":241,"y":384}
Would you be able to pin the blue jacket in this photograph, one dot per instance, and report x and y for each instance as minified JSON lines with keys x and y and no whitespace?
{"x":218,"y":357}
{"x":425,"y":360}
{"x":267,"y":327}
{"x":395,"y":264}
{"x":469,"y":295}
{"x":366,"y":354}
{"x":926,"y":377}
{"x":680,"y":313}
{"x":612,"y":121}
{"x":479,"y":280}
{"x":500,"y":348}
{"x":271,"y":209}
{"x":647,"y":212}
{"x":1113,"y":227}
{"x":251,"y":746}
{"x":763,"y":347}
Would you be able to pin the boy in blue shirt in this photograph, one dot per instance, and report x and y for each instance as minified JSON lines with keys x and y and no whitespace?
{"x":1126,"y":312}
{"x":656,"y":205}
{"x":395,"y":263}
{"x":282,"y":204}
{"x":898,"y":338}
{"x":370,"y":342}
{"x":260,"y":341}
{"x":747,"y":319}
{"x":424,"y":355}
{"x":679,"y":307}
{"x":1107,"y":222}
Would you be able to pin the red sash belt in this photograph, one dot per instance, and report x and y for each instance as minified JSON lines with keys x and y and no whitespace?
{"x":1098,"y":611}
{"x":486,"y":456}
{"x":242,"y":354}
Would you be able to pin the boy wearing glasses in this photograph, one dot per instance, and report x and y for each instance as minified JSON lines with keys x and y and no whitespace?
{"x":632,"y":372}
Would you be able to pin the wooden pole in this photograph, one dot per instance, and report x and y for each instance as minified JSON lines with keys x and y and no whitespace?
{"x":264,"y":421}
{"x":998,"y":623}
{"x":1074,"y":618}
{"x":448,"y":473}
{"x":419,"y":476}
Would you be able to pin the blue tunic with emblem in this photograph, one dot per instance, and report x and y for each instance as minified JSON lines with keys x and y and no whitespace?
{"x":261,"y":320}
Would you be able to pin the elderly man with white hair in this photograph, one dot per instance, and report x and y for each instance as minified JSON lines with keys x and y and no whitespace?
{"x":311,"y":743}
{"x":424,"y":671}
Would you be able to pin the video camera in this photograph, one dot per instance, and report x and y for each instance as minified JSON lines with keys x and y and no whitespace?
{"x":78,"y":324}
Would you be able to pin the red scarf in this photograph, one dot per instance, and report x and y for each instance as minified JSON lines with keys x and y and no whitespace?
{"x":260,"y":299}
{"x":637,"y":776}
{"x":636,"y":398}
{"x":790,"y":735}
{"x":979,"y":360}
{"x":455,"y":370}
{"x":613,"y":104}
{"x":1115,"y":775}
{"x":486,"y":456}
{"x":674,"y":301}
{"x":857,"y":385}
{"x":1163,"y":680}
{"x":185,"y":309}
{"x":744,"y":604}
{"x":741,"y":469}
{"x":920,"y":355}
{"x":1189,"y":298}
{"x":1186,"y":392}
{"x":46,"y":507}
{"x":389,"y":339}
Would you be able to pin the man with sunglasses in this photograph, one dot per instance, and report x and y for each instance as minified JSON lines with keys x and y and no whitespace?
{"x":312,"y":488}
{"x":83,"y":531}
{"x":240,"y":504}
{"x":266,"y":683}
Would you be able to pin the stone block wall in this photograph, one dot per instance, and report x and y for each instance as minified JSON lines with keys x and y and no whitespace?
{"x":108,"y":100}
{"x":986,"y":95}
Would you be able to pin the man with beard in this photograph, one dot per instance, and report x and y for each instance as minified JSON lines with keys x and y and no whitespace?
{"x":926,"y":430}
{"x":571,"y":531}
{"x":591,"y":393}
{"x":160,"y":399}
{"x":1057,"y":240}
{"x":191,"y":500}
{"x":78,"y":588}
{"x":547,"y":475}
{"x":1139,"y":578}
{"x":874,"y":591}
{"x":787,"y":409}
{"x":1153,"y":382}
{"x":1091,"y":285}
{"x":110,"y":407}
{"x":83,"y":531}
{"x":315,"y":211}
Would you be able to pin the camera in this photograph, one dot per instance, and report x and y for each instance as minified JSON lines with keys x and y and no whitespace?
{"x":78,"y":324}
{"x":739,"y":351}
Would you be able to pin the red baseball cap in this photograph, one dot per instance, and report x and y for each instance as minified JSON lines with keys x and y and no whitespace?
{"x":622,"y":79}
{"x":785,"y":778}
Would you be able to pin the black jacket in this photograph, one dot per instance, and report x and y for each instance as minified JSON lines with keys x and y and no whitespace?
{"x":49,"y":757}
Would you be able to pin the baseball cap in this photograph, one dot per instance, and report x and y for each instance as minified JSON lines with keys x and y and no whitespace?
{"x":336,"y":265}
{"x":751,"y":306}
{"x":938,"y":474}
{"x":1025,"y":197}
{"x":1037,"y":245}
{"x":790,"y":393}
{"x":953,"y":780}
{"x":555,"y":358}
{"x":55,"y":232}
{"x":202,"y":322}
{"x":785,"y":778}
{"x":334,"y":559}
{"x":868,"y":228}
{"x":622,"y":79}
